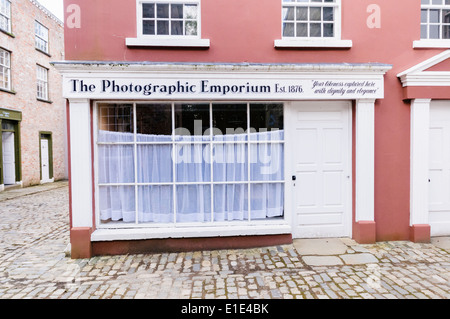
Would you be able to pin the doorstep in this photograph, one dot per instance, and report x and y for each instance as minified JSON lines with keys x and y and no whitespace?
{"x":333,"y":252}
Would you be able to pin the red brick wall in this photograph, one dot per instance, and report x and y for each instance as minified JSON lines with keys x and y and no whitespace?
{"x":37,"y":115}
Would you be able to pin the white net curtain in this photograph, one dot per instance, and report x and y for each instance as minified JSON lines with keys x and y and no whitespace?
{"x":151,"y":178}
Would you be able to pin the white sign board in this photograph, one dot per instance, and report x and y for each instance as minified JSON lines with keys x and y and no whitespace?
{"x":214,"y":88}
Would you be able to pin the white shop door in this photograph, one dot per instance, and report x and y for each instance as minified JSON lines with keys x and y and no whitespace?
{"x":9,"y":162}
{"x":322,"y":169}
{"x":439,"y":169}
{"x":45,"y":164}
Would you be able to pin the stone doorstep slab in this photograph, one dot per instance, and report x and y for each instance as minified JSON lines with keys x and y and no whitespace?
{"x":320,"y":247}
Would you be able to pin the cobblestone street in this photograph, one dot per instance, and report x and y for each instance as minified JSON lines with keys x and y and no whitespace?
{"x":34,"y":234}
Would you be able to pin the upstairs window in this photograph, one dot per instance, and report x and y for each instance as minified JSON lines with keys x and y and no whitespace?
{"x":5,"y":70}
{"x":5,"y":15}
{"x":310,"y":18}
{"x":42,"y":83}
{"x":168,"y":23}
{"x":41,"y":37}
{"x":311,"y":23}
{"x":435,"y":19}
{"x":165,"y":18}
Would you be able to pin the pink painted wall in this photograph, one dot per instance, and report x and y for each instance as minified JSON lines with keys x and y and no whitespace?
{"x":244,"y":31}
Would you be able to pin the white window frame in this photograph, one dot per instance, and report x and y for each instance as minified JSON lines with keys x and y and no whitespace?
{"x":180,"y":225}
{"x":6,"y":68}
{"x":433,"y":43}
{"x":5,"y":13}
{"x":41,"y":39}
{"x":167,"y":40}
{"x":335,"y":41}
{"x":42,"y":82}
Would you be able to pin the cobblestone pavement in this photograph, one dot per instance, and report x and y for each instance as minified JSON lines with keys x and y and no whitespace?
{"x":34,"y":234}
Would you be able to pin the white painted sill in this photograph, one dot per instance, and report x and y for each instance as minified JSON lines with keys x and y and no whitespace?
{"x":432,"y":44}
{"x":188,"y":232}
{"x":167,"y":42}
{"x":313,"y":43}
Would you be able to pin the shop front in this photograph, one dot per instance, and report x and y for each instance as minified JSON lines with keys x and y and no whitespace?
{"x":183,"y":156}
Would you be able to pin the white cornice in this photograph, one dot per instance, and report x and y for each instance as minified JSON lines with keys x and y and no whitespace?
{"x":176,"y":67}
{"x":417,"y":76}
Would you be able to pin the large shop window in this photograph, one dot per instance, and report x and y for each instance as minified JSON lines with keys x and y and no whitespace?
{"x":174,"y":163}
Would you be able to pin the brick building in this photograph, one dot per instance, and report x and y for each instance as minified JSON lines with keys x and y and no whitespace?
{"x":230,"y":123}
{"x":32,"y":110}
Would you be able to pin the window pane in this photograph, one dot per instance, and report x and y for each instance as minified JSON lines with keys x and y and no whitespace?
{"x":424,"y":31}
{"x":7,"y":125}
{"x":315,"y":30}
{"x":230,"y":161}
{"x":434,"y":16}
{"x":190,"y":11}
{"x":424,"y":16}
{"x":434,"y":32}
{"x":315,"y":14}
{"x":163,"y":27}
{"x":192,"y":161}
{"x":148,"y":27}
{"x":267,"y":160}
{"x":192,"y":119}
{"x":446,"y":16}
{"x":154,"y":162}
{"x":328,"y":14}
{"x":302,"y":14}
{"x":116,"y":162}
{"x":288,"y":14}
{"x":191,"y":28}
{"x":117,"y":203}
{"x":328,"y":30}
{"x":446,"y":32}
{"x":154,"y":119}
{"x":266,"y":117}
{"x":267,"y":201}
{"x":288,"y":30}
{"x":229,"y":119}
{"x":177,"y":28}
{"x":231,"y":202}
{"x":155,"y":204}
{"x":148,"y":10}
{"x":302,"y":29}
{"x":162,"y":11}
{"x":193,"y":203}
{"x":116,"y":118}
{"x":176,"y":11}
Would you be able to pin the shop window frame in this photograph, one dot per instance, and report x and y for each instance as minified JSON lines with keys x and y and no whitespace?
{"x":175,"y":183}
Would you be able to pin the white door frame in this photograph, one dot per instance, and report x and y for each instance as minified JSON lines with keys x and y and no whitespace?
{"x":290,"y":169}
{"x":420,"y":164}
{"x":364,"y":165}
{"x":45,"y":165}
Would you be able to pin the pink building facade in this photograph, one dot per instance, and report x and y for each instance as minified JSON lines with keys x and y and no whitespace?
{"x":215,"y":124}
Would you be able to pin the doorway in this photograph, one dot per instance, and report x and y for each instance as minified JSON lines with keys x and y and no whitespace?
{"x":321,"y":135}
{"x":46,"y":157}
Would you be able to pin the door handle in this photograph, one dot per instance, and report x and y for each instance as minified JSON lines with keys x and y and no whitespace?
{"x":294,"y":178}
